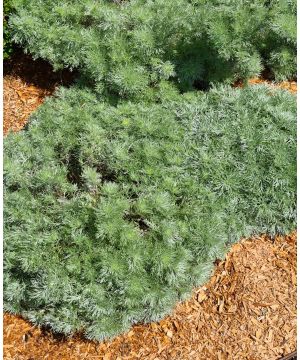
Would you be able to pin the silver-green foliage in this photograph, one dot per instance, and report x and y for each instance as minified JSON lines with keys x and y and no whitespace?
{"x":133,"y":48}
{"x":112,"y":214}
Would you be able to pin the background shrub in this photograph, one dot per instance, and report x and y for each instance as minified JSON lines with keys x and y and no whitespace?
{"x":7,"y":40}
{"x":129,"y":49}
{"x":112,"y":214}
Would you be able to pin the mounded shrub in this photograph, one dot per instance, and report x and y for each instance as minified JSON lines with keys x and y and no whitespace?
{"x":112,"y":214}
{"x":128,"y":48}
{"x":278,"y":47}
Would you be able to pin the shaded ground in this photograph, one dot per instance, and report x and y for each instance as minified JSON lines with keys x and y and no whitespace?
{"x":246,"y":311}
{"x":26,"y":84}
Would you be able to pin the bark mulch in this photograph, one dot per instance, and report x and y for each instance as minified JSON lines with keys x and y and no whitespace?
{"x":286,"y":85}
{"x":25,"y":85}
{"x":247,"y":310}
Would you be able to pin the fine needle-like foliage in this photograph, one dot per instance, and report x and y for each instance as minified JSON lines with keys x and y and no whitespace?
{"x":7,"y":40}
{"x":131,"y":48}
{"x":113,"y":213}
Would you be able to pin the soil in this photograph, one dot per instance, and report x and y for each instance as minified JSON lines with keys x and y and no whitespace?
{"x":247,"y":310}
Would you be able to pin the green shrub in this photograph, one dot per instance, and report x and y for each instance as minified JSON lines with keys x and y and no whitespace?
{"x":128,"y":49}
{"x":112,"y":214}
{"x":7,"y":40}
{"x":278,"y":47}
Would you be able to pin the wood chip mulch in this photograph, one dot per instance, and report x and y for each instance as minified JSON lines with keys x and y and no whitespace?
{"x":286,"y":85}
{"x":247,"y":310}
{"x":20,"y":100}
{"x":25,"y":85}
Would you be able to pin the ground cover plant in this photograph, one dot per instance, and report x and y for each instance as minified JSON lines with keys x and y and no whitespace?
{"x":131,"y":48}
{"x":113,"y":213}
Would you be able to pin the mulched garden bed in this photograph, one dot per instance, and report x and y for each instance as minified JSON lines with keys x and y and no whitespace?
{"x":26,"y":83}
{"x":286,"y":85}
{"x":247,"y":310}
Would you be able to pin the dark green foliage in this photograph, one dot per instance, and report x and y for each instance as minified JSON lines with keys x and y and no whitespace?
{"x":7,"y":41}
{"x":114,"y":213}
{"x":278,"y":46}
{"x":130,"y":49}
